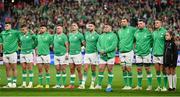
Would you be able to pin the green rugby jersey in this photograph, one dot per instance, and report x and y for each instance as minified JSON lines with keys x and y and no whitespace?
{"x":9,"y":39}
{"x":91,"y":41}
{"x":75,"y":41}
{"x":59,"y":44}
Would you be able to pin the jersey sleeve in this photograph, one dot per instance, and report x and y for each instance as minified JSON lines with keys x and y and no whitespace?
{"x":35,"y":42}
{"x":51,"y":38}
{"x":1,"y":40}
{"x":81,"y":37}
{"x":151,"y":38}
{"x":99,"y":45}
{"x":65,"y":38}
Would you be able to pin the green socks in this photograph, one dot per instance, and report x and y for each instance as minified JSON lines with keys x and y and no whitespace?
{"x":140,"y":79}
{"x":84,"y":78}
{"x":31,"y":76}
{"x":110,"y":78}
{"x":100,"y":78}
{"x":58,"y":78}
{"x":165,"y":80}
{"x":14,"y":79}
{"x":24,"y":76}
{"x":47,"y":78}
{"x":158,"y":75}
{"x":125,"y":76}
{"x":72,"y":79}
{"x":130,"y":79}
{"x":9,"y":80}
{"x":93,"y":76}
{"x":149,"y":78}
{"x":40,"y":79}
{"x":63,"y":78}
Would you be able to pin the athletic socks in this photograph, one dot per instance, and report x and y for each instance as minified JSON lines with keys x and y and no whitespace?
{"x":9,"y":80}
{"x":40,"y":79}
{"x":149,"y":78}
{"x":84,"y":78}
{"x":93,"y":77}
{"x":140,"y":76}
{"x":47,"y":78}
{"x":31,"y":76}
{"x":170,"y":81}
{"x":110,"y":78}
{"x":58,"y":78}
{"x":63,"y":76}
{"x":165,"y":80}
{"x":125,"y":76}
{"x":130,"y":79}
{"x":24,"y":76}
{"x":158,"y":76}
{"x":14,"y":79}
{"x":174,"y":78}
{"x":72,"y":79}
{"x":100,"y":78}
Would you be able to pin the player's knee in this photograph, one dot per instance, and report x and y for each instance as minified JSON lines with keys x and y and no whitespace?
{"x":139,"y":69}
{"x":93,"y":69}
{"x":40,"y":70}
{"x":63,"y":71}
{"x":8,"y":68}
{"x":110,"y":70}
{"x":79,"y":69}
{"x":13,"y":69}
{"x":148,"y":69}
{"x":47,"y":70}
{"x":57,"y":69}
{"x":129,"y":69}
{"x":24,"y":68}
{"x":101,"y":69}
{"x":85,"y":69}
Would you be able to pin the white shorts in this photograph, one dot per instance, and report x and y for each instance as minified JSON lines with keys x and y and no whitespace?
{"x":60,"y":60}
{"x":10,"y":58}
{"x":76,"y":59}
{"x":158,"y":59}
{"x":91,"y":59}
{"x":143,"y":59}
{"x":110,"y":61}
{"x":43,"y":59}
{"x":127,"y":57}
{"x":27,"y":58}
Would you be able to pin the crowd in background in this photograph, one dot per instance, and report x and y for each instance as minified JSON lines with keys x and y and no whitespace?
{"x":53,"y":12}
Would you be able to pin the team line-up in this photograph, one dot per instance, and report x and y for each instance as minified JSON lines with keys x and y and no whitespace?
{"x":67,"y":52}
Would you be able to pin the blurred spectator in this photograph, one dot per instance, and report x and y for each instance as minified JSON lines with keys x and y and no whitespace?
{"x":64,"y":12}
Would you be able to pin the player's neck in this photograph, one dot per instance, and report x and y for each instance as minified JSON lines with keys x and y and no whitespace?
{"x":75,"y":31}
{"x":59,"y":33}
{"x":92,"y":31}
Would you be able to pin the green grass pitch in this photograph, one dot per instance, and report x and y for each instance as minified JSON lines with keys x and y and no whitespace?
{"x":117,"y":85}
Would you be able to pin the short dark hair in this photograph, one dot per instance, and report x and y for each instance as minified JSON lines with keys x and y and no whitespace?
{"x":75,"y":23}
{"x":22,"y":26}
{"x":158,"y":19}
{"x":43,"y":25}
{"x":92,"y":22}
{"x":142,"y":20}
{"x":8,"y":23}
{"x":125,"y":18}
{"x":59,"y":25}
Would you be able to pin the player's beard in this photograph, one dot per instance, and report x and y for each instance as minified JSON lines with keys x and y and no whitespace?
{"x":91,"y":30}
{"x":59,"y":32}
